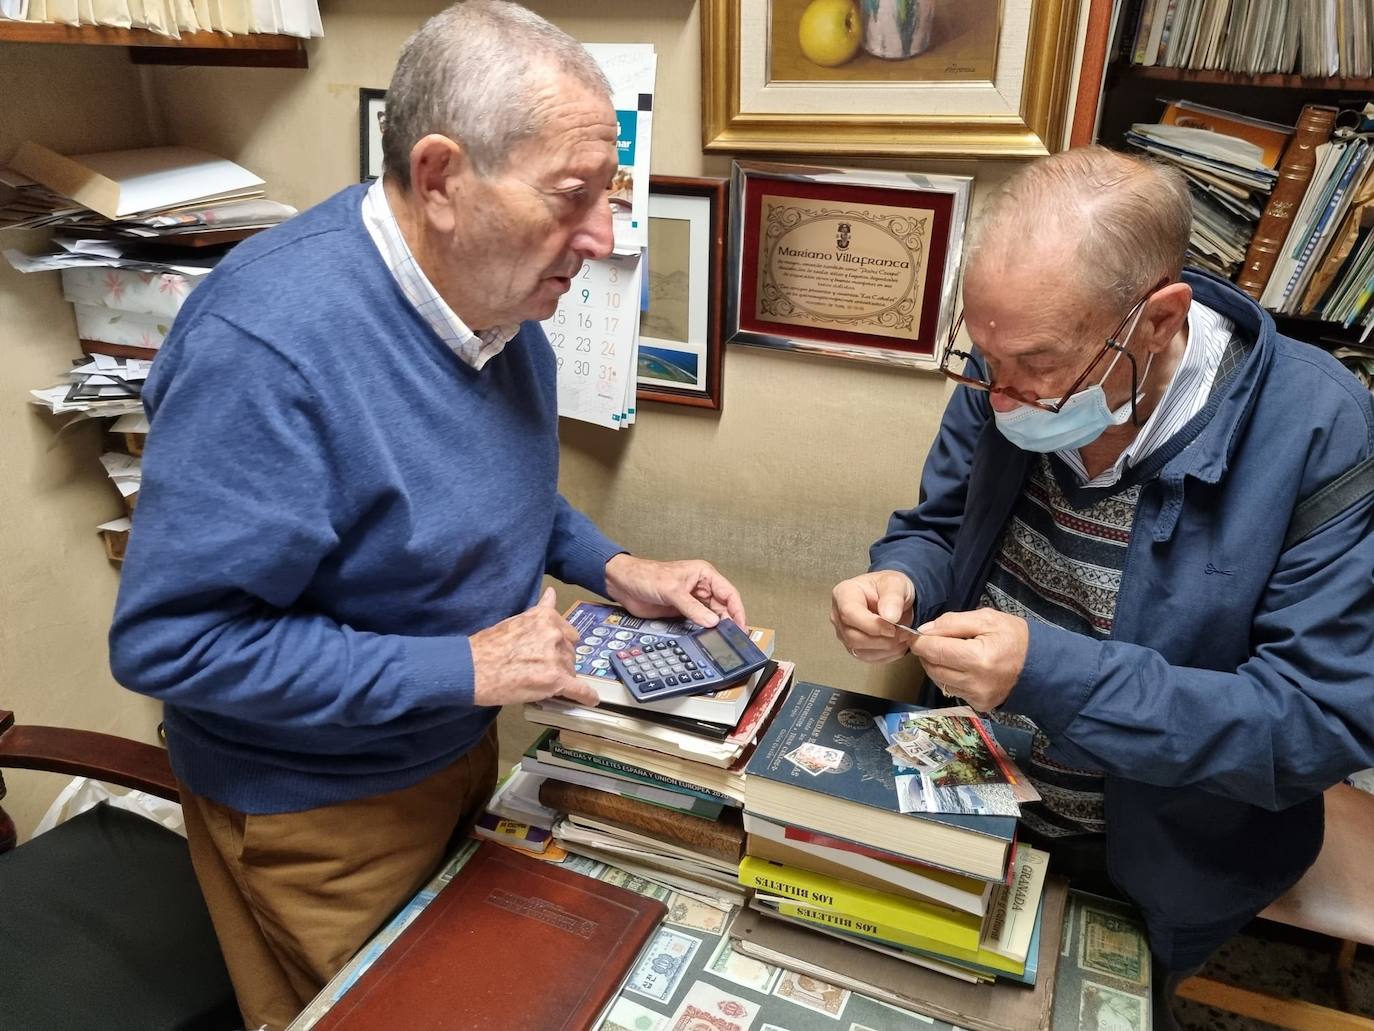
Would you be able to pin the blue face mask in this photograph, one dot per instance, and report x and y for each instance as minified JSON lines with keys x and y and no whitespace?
{"x":1081,"y":419}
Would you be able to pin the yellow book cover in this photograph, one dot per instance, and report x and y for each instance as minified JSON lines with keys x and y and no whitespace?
{"x":937,"y":926}
{"x":903,"y":937}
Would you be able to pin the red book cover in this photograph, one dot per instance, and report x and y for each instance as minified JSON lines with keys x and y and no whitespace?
{"x":511,"y":944}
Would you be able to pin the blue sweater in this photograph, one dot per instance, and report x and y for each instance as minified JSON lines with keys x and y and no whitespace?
{"x":332,"y":501}
{"x":1236,"y":685}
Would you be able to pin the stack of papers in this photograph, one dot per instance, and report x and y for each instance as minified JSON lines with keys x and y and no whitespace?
{"x":98,"y":386}
{"x":1230,"y":161}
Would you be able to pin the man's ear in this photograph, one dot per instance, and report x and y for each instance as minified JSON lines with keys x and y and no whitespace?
{"x":438,"y":167}
{"x":1165,"y":313}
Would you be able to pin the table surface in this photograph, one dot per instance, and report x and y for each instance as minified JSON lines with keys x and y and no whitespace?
{"x":1089,"y":994}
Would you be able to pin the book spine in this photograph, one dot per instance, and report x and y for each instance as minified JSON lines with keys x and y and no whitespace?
{"x":931,"y":921}
{"x":635,"y":773}
{"x":708,"y":837}
{"x":1296,"y":166}
{"x":901,"y":937}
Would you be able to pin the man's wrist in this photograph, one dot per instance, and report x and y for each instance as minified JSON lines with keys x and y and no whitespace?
{"x":617,"y":569}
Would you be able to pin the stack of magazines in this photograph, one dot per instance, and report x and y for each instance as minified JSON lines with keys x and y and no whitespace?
{"x":1230,"y":161}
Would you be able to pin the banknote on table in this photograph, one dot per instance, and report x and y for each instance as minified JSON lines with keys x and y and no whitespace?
{"x":1105,"y":1009}
{"x":664,"y":962}
{"x":1103,"y":977}
{"x":628,"y":1015}
{"x":708,"y":1008}
{"x":1112,"y":945}
{"x":632,"y":882}
{"x":686,"y":911}
{"x":812,"y":993}
{"x":743,"y":970}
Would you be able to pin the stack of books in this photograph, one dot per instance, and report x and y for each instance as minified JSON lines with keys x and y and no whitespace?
{"x":894,"y":829}
{"x":653,"y":788}
{"x":1230,"y":161}
{"x":1310,"y":37}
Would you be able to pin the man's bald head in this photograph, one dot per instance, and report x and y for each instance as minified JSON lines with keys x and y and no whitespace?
{"x":1099,"y":226}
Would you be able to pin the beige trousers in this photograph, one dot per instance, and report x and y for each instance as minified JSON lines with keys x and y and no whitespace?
{"x":294,"y":895}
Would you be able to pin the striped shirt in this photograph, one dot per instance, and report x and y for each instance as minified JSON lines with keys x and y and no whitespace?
{"x":474,"y":348}
{"x":1208,"y":335}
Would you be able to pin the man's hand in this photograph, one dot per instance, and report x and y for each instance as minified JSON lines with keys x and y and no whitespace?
{"x":856,"y":604}
{"x":527,"y":658}
{"x":976,"y":656}
{"x":691,"y":588}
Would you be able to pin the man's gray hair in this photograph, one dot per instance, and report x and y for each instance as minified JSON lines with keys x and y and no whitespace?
{"x":1124,"y":219}
{"x":472,"y":73}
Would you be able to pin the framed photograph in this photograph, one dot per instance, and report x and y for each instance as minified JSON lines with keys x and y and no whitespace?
{"x":680,"y":325}
{"x":946,"y":78}
{"x":371,"y":119}
{"x":854,"y":264}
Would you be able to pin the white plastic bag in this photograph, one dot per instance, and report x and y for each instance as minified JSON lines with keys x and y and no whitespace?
{"x":83,"y":793}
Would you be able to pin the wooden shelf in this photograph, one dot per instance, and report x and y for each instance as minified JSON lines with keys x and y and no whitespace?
{"x":1218,"y":78}
{"x":198,"y":48}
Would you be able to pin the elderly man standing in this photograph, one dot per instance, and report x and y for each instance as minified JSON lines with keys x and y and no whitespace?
{"x":350,"y":499}
{"x":1110,"y":549}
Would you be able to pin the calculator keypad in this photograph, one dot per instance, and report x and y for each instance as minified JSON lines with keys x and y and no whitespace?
{"x":665,"y":661}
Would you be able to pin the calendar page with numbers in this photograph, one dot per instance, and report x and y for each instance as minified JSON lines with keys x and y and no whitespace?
{"x":595,"y":336}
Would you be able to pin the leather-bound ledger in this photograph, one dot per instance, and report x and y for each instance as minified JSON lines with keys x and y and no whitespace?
{"x":510,"y":944}
{"x":723,"y":839}
{"x":1295,"y":172}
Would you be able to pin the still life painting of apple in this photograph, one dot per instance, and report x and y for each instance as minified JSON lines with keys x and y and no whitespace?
{"x":885,"y":41}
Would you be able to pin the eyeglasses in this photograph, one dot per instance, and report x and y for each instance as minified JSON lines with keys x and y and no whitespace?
{"x":1112,"y":343}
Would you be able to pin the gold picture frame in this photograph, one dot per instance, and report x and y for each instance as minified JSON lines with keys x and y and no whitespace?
{"x":1018,"y":112}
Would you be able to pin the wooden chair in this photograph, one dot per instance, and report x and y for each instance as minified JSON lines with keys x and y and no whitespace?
{"x":1334,"y":898}
{"x":103,"y":922}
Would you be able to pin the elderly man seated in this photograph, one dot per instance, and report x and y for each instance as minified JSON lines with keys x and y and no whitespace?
{"x":1104,"y":552}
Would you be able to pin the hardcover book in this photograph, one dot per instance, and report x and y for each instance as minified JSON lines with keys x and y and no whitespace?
{"x":853,"y":793}
{"x":1295,"y":172}
{"x":502,"y":926}
{"x":976,"y":1007}
{"x":933,"y":924}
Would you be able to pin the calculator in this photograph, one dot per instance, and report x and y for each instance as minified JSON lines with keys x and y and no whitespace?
{"x":653,"y":666}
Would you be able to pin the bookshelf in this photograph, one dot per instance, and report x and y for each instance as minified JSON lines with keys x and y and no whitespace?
{"x":193,"y":48}
{"x":1132,"y":93}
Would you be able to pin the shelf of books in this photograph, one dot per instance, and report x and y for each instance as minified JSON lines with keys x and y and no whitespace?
{"x":259,"y":49}
{"x":1266,"y":109}
{"x":1270,"y":80}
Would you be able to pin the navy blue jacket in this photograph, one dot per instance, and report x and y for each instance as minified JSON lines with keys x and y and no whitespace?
{"x":1238,"y":682}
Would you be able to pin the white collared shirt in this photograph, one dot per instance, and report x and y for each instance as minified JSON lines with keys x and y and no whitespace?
{"x":474,"y":348}
{"x":1208,"y":335}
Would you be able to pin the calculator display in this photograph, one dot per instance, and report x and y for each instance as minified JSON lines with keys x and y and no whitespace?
{"x":720,"y":650}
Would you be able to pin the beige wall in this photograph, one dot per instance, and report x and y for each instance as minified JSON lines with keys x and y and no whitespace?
{"x":56,"y":587}
{"x":784,"y":489}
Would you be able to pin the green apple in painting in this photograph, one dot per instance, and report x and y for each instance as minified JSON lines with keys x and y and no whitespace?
{"x":830,"y":31}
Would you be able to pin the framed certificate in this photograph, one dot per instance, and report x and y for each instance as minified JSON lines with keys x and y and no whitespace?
{"x":854,"y":264}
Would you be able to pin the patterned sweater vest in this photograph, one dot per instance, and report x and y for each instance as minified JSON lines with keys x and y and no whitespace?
{"x":1059,"y":562}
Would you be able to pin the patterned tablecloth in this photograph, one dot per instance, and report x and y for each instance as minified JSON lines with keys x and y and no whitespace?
{"x":1102,"y":983}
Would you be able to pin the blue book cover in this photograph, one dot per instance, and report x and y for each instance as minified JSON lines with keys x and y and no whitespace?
{"x":844,"y":721}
